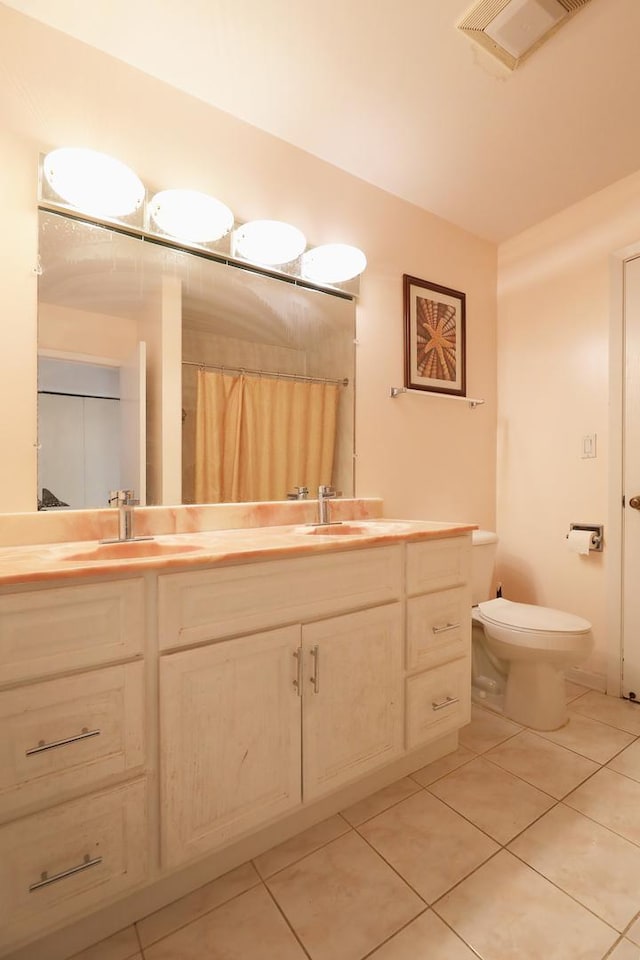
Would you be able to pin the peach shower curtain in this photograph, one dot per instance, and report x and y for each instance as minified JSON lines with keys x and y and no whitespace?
{"x":257,"y":438}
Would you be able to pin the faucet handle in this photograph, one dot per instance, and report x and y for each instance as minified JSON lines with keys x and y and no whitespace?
{"x":326,"y":492}
{"x":123,"y":498}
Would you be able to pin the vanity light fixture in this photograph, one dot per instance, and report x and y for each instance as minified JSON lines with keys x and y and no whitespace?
{"x":333,"y":263}
{"x":190,"y":215}
{"x":95,"y":187}
{"x":93,"y":182}
{"x":269,"y":242}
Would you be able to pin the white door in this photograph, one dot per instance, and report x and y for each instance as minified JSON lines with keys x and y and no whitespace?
{"x":133,"y":422}
{"x":631,"y":485}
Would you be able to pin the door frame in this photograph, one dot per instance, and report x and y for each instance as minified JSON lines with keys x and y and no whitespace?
{"x":615,"y":558}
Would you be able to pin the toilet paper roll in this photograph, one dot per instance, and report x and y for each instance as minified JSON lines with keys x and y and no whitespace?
{"x":579,"y":541}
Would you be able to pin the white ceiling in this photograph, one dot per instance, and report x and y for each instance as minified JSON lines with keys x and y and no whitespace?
{"x":391,"y":92}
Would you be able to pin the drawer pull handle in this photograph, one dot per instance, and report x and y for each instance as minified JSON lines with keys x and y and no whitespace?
{"x":315,"y":679}
{"x":447,"y":626}
{"x":42,"y":746}
{"x":45,"y":879}
{"x":447,"y":702}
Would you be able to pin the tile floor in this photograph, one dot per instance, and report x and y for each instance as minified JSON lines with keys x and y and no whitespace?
{"x":520,"y":846}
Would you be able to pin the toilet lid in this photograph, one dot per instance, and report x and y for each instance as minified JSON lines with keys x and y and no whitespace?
{"x":528,"y":616}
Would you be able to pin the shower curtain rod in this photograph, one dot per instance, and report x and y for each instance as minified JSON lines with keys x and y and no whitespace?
{"x":264,"y":373}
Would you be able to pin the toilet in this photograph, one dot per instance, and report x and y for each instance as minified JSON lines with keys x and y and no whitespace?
{"x":520,"y":651}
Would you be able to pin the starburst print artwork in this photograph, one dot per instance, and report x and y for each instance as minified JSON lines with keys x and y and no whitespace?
{"x":436,"y":339}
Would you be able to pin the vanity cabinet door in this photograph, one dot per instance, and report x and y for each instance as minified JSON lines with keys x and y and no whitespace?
{"x":230,"y":740}
{"x":352,"y":698}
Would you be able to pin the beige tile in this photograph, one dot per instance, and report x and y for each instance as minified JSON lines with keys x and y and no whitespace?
{"x":196,"y":904}
{"x":574,"y":690}
{"x":612,"y":800}
{"x":507,"y":911}
{"x":121,"y":946}
{"x":426,"y":938}
{"x":590,"y":863}
{"x":612,"y":710}
{"x":377,"y":802}
{"x":590,"y":738}
{"x":440,"y":768}
{"x":628,"y":762}
{"x":428,"y":844}
{"x":499,"y":803}
{"x":486,"y":730}
{"x":343,"y":900}
{"x":633,"y":933}
{"x":300,"y":846}
{"x":542,"y":763}
{"x":625,"y":950}
{"x":248,"y":928}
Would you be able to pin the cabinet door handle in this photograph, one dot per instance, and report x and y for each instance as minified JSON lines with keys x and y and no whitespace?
{"x":315,"y":679}
{"x":298,"y":680}
{"x":447,"y":626}
{"x":45,"y":879}
{"x":447,"y":702}
{"x":42,"y":746}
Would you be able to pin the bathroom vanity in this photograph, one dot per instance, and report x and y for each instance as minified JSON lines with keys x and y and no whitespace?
{"x":167,"y":716}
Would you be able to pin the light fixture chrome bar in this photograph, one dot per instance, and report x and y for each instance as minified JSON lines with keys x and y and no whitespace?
{"x":265,"y":373}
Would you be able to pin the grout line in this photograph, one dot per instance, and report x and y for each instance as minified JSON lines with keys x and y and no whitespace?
{"x":303,"y":856}
{"x":395,"y":933}
{"x":141,"y":950}
{"x":286,"y":920}
{"x":199,"y":916}
{"x":384,"y":809}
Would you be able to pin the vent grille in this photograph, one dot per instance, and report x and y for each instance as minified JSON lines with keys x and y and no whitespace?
{"x":476,"y":21}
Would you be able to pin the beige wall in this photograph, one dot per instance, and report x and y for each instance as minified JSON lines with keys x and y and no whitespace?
{"x":427,"y":456}
{"x":553,"y":354}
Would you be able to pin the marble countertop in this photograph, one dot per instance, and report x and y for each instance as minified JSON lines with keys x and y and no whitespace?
{"x":185,"y":551}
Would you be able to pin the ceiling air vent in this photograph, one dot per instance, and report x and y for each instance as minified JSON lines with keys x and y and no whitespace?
{"x":512,"y":29}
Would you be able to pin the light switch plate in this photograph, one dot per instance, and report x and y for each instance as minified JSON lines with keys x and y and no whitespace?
{"x":589,"y":446}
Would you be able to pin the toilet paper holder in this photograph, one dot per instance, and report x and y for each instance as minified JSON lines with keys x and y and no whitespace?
{"x":597,"y":534}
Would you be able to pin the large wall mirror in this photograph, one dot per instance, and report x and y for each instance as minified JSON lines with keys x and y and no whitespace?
{"x":187,"y":379}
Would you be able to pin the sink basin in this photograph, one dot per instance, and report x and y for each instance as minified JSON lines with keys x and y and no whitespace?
{"x":359,"y":528}
{"x":336,"y":530}
{"x":131,"y":550}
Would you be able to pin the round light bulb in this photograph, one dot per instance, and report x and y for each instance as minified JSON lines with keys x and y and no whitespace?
{"x":333,"y":263}
{"x":93,"y":182}
{"x":269,"y":242}
{"x":190,"y":215}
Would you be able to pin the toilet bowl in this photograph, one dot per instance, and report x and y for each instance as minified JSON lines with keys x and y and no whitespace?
{"x":521,"y":651}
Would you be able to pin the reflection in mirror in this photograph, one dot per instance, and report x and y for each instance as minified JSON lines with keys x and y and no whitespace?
{"x":249,"y":378}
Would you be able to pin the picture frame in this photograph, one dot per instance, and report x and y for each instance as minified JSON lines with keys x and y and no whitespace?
{"x":434,"y":337}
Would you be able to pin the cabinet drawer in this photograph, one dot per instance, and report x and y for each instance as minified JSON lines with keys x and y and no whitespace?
{"x":438,"y":701}
{"x":71,"y":733}
{"x":49,"y":631}
{"x":438,"y":564}
{"x":438,"y":627}
{"x":232,"y":600}
{"x":67,"y":860}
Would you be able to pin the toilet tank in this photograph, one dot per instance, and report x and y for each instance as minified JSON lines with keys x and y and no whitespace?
{"x":484,"y":544}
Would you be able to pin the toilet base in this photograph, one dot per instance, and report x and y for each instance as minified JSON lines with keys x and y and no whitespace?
{"x":535,"y":696}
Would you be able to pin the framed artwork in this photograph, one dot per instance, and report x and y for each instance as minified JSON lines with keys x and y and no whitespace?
{"x":434,"y":337}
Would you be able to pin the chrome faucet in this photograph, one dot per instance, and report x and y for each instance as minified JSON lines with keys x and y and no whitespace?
{"x":325,"y":494}
{"x":125,"y":501}
{"x":298,"y":493}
